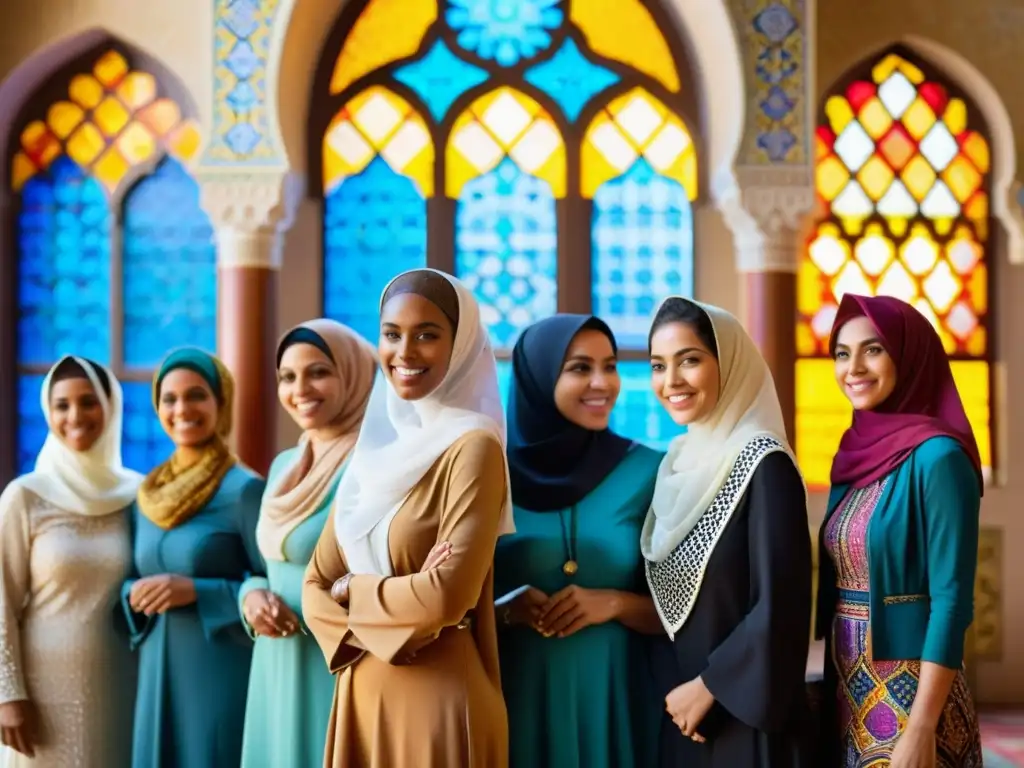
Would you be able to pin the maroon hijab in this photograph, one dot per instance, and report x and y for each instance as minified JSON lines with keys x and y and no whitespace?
{"x":924,"y":404}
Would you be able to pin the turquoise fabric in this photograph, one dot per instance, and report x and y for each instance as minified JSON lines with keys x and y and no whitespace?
{"x":290,"y":688}
{"x":194,"y":359}
{"x":194,"y":661}
{"x":586,"y":700}
{"x":922,"y":555}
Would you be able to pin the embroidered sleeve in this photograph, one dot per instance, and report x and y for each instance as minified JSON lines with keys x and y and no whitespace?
{"x":15,"y":549}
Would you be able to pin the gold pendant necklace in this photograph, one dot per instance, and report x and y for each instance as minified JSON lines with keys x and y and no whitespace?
{"x":570,"y":566}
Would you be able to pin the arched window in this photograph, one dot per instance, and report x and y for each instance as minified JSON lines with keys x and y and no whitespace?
{"x":902,"y":174}
{"x":113,"y":258}
{"x":540,"y":150}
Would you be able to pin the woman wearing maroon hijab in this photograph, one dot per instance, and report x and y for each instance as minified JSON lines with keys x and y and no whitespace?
{"x":901,"y":537}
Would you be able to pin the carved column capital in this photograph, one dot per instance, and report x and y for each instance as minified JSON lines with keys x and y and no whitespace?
{"x":766,"y":208}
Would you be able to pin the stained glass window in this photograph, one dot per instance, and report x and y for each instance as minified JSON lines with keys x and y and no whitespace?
{"x":539,"y":149}
{"x":69,"y":167}
{"x":902,"y":179}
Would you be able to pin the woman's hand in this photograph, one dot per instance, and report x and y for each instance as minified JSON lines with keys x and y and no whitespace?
{"x":915,"y":748}
{"x":571,"y":609}
{"x":440,"y":552}
{"x":525,"y":609}
{"x":688,"y":705}
{"x":18,"y":723}
{"x":268,"y":614}
{"x":158,"y":594}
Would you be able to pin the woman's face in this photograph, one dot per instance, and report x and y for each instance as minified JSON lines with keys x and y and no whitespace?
{"x":864,"y":370}
{"x":188,"y":408}
{"x":684,"y":373}
{"x":309,"y":387}
{"x":415,"y":346}
{"x":76,"y":413}
{"x":589,"y":383}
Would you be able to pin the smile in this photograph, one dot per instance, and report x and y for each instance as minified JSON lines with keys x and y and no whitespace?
{"x":595,"y":402}
{"x":859,"y":386}
{"x":677,"y":399}
{"x":308,"y":407}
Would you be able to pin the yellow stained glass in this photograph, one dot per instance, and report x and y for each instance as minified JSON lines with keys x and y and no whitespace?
{"x":161,"y":116}
{"x":977,"y":344}
{"x":625,"y":31}
{"x":22,"y":169}
{"x":378,"y":122}
{"x":977,"y":207}
{"x":85,"y":145}
{"x":977,"y":289}
{"x":63,"y":117}
{"x":631,"y":126}
{"x":110,"y":116}
{"x":918,"y":177}
{"x":504,"y":122}
{"x":184,"y":141}
{"x":955,"y":116}
{"x":110,"y":168}
{"x":839,"y":113}
{"x":40,"y":145}
{"x":831,"y":177}
{"x":136,"y":143}
{"x":86,"y":91}
{"x":875,"y":118}
{"x":962,"y":178}
{"x":918,"y":119}
{"x":875,"y":177}
{"x":110,"y":68}
{"x":976,"y":148}
{"x":893,"y":63}
{"x":137,"y":89}
{"x":386,"y":31}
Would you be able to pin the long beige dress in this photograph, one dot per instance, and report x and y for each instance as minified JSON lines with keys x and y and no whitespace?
{"x":441,"y":708}
{"x":60,"y":576}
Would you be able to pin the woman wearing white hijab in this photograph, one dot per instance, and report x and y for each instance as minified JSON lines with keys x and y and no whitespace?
{"x":399,"y":593}
{"x":727,"y":549}
{"x":66,"y":678}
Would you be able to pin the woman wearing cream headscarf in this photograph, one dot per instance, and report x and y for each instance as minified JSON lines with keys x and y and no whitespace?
{"x":66,"y":677}
{"x":727,"y":549}
{"x":195,"y":542}
{"x":325,"y":373}
{"x":415,"y":647}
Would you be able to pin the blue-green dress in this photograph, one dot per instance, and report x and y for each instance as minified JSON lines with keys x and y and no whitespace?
{"x":587,"y":700}
{"x":194,"y":660}
{"x":290,"y":689}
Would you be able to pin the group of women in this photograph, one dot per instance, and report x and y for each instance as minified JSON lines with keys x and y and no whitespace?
{"x":414,"y":586}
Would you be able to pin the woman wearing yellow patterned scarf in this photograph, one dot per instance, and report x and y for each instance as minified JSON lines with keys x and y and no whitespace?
{"x":194,"y":545}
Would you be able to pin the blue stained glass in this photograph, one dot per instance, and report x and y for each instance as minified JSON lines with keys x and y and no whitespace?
{"x":638,"y":414}
{"x":170,"y":268}
{"x":375,"y":226}
{"x":504,"y":30}
{"x":504,"y":380}
{"x":439,"y":78}
{"x":642,"y":237}
{"x":506,"y":239}
{"x":32,"y":427}
{"x":144,"y":443}
{"x":570,"y":78}
{"x":63,"y":236}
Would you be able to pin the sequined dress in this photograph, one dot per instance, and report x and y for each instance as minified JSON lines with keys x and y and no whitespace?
{"x":875,"y":697}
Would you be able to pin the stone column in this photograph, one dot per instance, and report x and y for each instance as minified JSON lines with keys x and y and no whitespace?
{"x":768,"y":215}
{"x":249,"y":214}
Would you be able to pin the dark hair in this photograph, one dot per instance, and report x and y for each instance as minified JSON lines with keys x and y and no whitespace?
{"x":69,"y":368}
{"x":679,"y":310}
{"x":433,"y":287}
{"x":303,"y":335}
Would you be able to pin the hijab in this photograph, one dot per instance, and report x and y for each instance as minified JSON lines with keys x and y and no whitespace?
{"x":553,"y":463}
{"x":308,"y":480}
{"x":172,"y":493}
{"x":401,"y":439}
{"x":699,"y":462}
{"x":93,"y":482}
{"x":924,"y":404}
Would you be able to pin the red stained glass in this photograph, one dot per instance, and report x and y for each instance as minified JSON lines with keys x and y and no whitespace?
{"x":935,"y":95}
{"x":826,"y":135}
{"x":859,"y":93}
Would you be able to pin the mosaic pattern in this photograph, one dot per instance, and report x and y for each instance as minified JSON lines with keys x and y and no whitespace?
{"x":439,"y":78}
{"x":32,"y":428}
{"x":241,"y":47}
{"x":113,"y":120}
{"x":169,"y":282}
{"x":901,"y":169}
{"x":642,"y":241}
{"x":506,"y":241}
{"x":504,"y":31}
{"x":375,"y":226}
{"x":144,"y":444}
{"x":570,"y":78}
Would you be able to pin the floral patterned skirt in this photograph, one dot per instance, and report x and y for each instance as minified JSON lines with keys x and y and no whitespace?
{"x":875,"y":698}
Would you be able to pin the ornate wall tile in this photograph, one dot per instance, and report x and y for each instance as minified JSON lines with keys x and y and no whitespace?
{"x":987,"y":629}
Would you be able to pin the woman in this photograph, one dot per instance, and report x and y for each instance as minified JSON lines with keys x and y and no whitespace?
{"x":416,"y":652}
{"x":67,"y":680}
{"x":581,"y":493}
{"x":325,"y":373}
{"x":901,"y":533}
{"x":195,"y":542}
{"x":727,"y":550}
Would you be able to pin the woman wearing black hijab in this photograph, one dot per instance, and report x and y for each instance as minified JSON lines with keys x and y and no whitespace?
{"x":575,"y":606}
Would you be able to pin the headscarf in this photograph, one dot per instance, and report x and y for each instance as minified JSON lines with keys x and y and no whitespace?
{"x":924,"y":404}
{"x":553,"y":463}
{"x":172,"y":493}
{"x":93,"y":482}
{"x":699,"y":462}
{"x":305,"y":484}
{"x":400,"y":439}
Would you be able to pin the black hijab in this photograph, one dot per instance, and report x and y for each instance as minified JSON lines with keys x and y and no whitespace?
{"x":553,"y":462}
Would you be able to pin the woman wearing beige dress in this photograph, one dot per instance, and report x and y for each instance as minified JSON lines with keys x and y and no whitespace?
{"x":415,"y":646}
{"x":66,"y":677}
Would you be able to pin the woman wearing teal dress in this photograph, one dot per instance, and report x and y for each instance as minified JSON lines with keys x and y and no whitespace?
{"x":576,"y":611}
{"x":194,"y":544}
{"x":325,"y":374}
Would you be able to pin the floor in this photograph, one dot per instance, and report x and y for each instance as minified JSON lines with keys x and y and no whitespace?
{"x":1002,"y":734}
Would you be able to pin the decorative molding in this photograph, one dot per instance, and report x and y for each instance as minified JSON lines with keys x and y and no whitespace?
{"x":987,"y":629}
